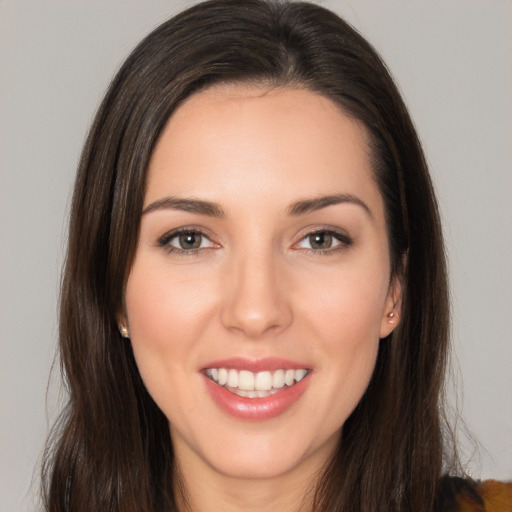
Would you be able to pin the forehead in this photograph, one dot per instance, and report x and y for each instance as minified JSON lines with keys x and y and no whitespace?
{"x":243,"y":142}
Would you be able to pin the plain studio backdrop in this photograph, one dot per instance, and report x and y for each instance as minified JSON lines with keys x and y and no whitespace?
{"x":452,"y":61}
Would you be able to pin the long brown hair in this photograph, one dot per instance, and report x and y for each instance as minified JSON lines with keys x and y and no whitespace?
{"x":111,"y":450}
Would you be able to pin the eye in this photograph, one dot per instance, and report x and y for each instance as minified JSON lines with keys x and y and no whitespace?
{"x":191,"y":240}
{"x":185,"y":241}
{"x":324,"y":240}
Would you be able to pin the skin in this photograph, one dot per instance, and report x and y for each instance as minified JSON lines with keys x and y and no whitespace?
{"x":259,"y":286}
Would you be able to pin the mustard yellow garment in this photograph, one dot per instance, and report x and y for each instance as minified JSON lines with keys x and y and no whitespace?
{"x":497,"y":497}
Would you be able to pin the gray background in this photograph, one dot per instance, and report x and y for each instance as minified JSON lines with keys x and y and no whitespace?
{"x":453,"y":63}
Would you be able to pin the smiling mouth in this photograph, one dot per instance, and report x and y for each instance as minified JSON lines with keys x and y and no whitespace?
{"x":248,"y":384}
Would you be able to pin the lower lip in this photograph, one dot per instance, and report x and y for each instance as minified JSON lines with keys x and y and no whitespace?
{"x":256,"y":409}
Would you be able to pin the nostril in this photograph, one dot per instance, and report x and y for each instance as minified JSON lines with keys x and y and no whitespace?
{"x":256,"y":319}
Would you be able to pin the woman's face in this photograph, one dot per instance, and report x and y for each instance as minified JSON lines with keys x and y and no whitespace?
{"x":262,"y":259}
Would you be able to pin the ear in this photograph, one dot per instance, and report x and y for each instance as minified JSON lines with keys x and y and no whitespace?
{"x":122,"y":324}
{"x":393,"y":307}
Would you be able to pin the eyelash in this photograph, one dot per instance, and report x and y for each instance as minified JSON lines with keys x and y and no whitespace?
{"x":345,"y":241}
{"x":165,"y":241}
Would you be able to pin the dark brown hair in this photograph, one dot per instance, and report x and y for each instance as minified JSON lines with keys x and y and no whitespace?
{"x":111,"y":450}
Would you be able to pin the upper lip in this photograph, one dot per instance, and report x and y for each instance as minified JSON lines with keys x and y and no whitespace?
{"x":256,"y":365}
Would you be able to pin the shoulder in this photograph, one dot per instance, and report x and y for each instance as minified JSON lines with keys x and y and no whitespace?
{"x":492,"y":496}
{"x":466,"y":495}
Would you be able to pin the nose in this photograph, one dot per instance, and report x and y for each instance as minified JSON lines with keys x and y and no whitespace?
{"x":256,"y":301}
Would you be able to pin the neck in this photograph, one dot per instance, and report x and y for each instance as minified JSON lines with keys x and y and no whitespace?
{"x":249,"y":496}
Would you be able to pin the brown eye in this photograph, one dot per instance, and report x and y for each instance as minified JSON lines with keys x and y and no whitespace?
{"x":185,"y":241}
{"x":190,"y":240}
{"x":325,"y":241}
{"x":321,"y":240}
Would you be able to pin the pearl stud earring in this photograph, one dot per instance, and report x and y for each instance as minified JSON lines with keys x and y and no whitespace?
{"x":124,"y":331}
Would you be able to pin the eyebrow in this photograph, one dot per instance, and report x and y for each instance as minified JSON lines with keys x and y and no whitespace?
{"x":215,"y":210}
{"x":317,"y":203}
{"x":186,"y":205}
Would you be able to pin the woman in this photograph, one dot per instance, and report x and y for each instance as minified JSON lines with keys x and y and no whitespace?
{"x":254,"y":309}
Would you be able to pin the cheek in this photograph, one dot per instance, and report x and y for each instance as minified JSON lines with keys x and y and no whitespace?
{"x":348,"y":304}
{"x":348,"y":321}
{"x":166,"y":312}
{"x":343,"y":314}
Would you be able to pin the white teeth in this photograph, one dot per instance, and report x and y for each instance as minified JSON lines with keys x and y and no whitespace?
{"x":289,"y":377}
{"x":263,"y":381}
{"x":278,"y":379}
{"x":253,"y":394}
{"x":299,"y":375}
{"x":232,"y":379}
{"x":223,"y":376}
{"x":245,"y":380}
{"x":261,"y":384}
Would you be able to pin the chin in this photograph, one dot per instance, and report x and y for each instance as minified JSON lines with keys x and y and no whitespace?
{"x":264,"y":456}
{"x":256,"y":466}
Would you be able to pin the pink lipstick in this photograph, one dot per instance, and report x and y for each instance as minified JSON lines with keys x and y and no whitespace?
{"x":255,"y":390}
